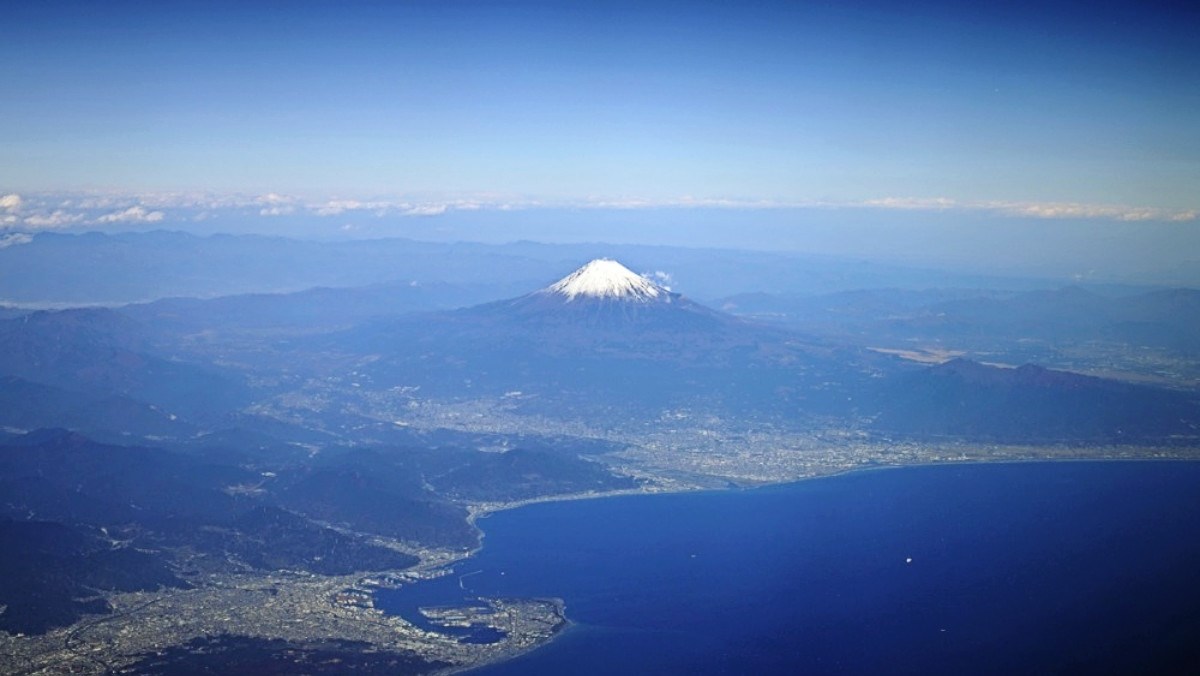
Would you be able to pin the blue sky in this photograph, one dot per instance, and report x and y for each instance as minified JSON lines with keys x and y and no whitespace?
{"x":1016,"y":110}
{"x":562,"y":100}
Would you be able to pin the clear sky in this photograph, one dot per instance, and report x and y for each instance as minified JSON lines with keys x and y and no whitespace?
{"x":790,"y":101}
{"x":1019,"y":109}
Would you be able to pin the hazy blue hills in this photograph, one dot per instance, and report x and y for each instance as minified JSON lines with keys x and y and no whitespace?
{"x":87,"y":268}
{"x":307,"y":310}
{"x":113,"y":517}
{"x":103,"y":351}
{"x":60,"y":570}
{"x":132,"y":267}
{"x":367,"y":490}
{"x":1030,"y":404}
{"x":79,"y":515}
{"x":186,"y":369}
{"x":29,"y":405}
{"x":526,"y":473}
{"x":1168,"y":318}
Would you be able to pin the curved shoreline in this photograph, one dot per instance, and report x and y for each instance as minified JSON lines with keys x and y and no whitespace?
{"x":478,"y":511}
{"x":484,"y":510}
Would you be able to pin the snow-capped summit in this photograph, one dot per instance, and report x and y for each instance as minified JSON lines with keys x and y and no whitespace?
{"x":604,"y":300}
{"x":605,"y":278}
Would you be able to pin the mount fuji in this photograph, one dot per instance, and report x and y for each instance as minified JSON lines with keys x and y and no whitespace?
{"x":603,"y":337}
{"x":606,"y":279}
{"x":609,"y":301}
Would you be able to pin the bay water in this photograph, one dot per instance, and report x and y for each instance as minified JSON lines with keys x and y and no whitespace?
{"x":1040,"y":568}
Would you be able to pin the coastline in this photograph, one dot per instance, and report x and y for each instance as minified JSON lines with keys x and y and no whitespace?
{"x":484,"y":510}
{"x":299,"y":608}
{"x":477,"y":511}
{"x":950,"y":522}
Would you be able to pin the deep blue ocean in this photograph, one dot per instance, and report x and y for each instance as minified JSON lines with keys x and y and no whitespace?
{"x":1034,"y":568}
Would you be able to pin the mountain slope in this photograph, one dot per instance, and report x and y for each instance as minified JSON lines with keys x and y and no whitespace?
{"x":103,"y":353}
{"x":607,"y":342}
{"x":27,"y":406}
{"x":1031,"y":404}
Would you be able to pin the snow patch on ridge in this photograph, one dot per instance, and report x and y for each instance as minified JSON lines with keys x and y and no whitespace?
{"x":606,"y":278}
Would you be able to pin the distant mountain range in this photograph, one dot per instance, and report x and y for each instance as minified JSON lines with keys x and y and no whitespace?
{"x":988,"y":319}
{"x":74,"y":269}
{"x":603,"y":342}
{"x":105,"y":352}
{"x":89,"y":518}
{"x":963,"y":399}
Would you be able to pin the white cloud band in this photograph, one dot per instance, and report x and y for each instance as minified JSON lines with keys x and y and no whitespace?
{"x":134,"y":214}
